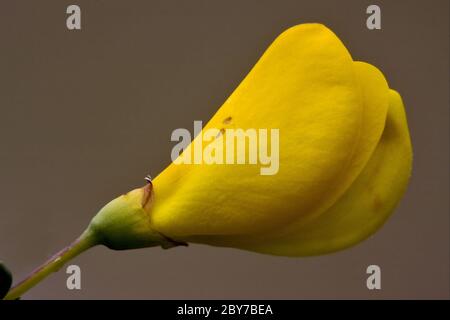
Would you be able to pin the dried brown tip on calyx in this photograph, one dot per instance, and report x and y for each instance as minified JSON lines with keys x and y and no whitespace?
{"x":170,"y":243}
{"x":148,"y":192}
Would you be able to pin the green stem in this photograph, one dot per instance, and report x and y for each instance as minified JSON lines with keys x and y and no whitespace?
{"x":84,"y":242}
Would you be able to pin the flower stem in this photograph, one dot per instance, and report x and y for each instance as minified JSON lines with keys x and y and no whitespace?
{"x":84,"y":242}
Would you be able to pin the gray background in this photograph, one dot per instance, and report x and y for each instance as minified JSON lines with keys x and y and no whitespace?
{"x":86,"y":114}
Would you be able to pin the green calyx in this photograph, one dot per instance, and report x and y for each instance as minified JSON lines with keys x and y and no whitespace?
{"x":124,"y":223}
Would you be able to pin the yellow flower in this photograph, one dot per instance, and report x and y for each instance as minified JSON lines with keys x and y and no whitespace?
{"x":345,"y":161}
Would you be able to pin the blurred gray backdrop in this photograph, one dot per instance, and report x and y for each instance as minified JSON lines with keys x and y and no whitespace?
{"x":84,"y":115}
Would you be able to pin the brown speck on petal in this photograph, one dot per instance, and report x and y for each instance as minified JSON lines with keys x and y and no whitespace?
{"x":227,"y":120}
{"x":221,"y":132}
{"x":377,"y":203}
